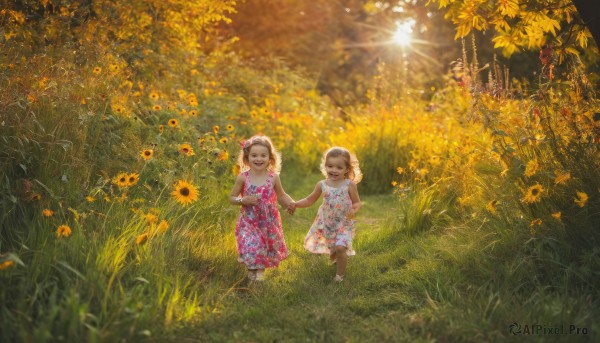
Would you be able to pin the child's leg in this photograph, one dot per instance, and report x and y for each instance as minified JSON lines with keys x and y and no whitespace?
{"x":260,"y":274}
{"x":341,"y":258}
{"x":252,"y":274}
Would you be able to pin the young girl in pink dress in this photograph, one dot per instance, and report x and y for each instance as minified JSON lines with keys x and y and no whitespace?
{"x":260,"y":241}
{"x":332,"y":230}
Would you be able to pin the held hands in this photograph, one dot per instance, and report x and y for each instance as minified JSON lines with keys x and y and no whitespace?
{"x":350,"y":214}
{"x":249,"y":200}
{"x":291,"y":208}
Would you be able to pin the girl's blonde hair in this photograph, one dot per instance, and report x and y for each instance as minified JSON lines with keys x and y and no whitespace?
{"x":353,"y":173}
{"x":274,"y":155}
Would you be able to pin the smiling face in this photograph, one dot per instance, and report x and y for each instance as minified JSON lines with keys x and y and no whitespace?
{"x":258,"y":157}
{"x":336,"y":168}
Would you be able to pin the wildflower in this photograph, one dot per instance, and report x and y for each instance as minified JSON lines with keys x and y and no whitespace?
{"x":47,"y":213}
{"x":161,"y":129}
{"x":532,"y":167}
{"x":223,"y":140}
{"x":114,"y":67}
{"x":434,"y":160}
{"x":185,"y":193}
{"x":97,"y":70}
{"x":90,"y":198}
{"x":561,"y":179}
{"x":556,"y":215}
{"x":163,"y":226}
{"x":157,"y":107}
{"x":535,"y":222}
{"x":223,"y":155}
{"x":394,"y":183}
{"x":201,"y":140}
{"x":106,"y":198}
{"x":186,"y":150}
{"x":6,"y":264}
{"x":211,"y":139}
{"x":264,"y":111}
{"x":147,"y":154}
{"x":141,"y":239}
{"x":236,"y":170}
{"x":35,"y":197}
{"x":230,"y":128}
{"x":132,"y":179}
{"x":423,"y":172}
{"x":533,"y":194}
{"x":121,"y":180}
{"x":400,"y":170}
{"x":193,"y":102}
{"x":216,"y":129}
{"x":151,"y":218}
{"x":491,"y":206}
{"x":118,"y":109}
{"x":173,"y":122}
{"x":154,"y":96}
{"x":581,"y":199}
{"x":63,"y":230}
{"x":193,"y":113}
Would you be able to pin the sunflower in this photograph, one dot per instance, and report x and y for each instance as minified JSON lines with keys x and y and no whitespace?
{"x":533,"y":194}
{"x":181,"y":93}
{"x":147,"y":154}
{"x":223,"y":140}
{"x":532,"y":167}
{"x":97,"y":70}
{"x":491,"y":206}
{"x":173,"y":122}
{"x":230,"y":128}
{"x":211,"y":139}
{"x":90,"y":198}
{"x":121,"y":180}
{"x":132,"y":179}
{"x":581,"y":199}
{"x":157,"y":107}
{"x":114,"y":67}
{"x":556,"y":215}
{"x":163,"y":226}
{"x":186,"y":149}
{"x":47,"y":213}
{"x":118,"y":109}
{"x":161,"y":129}
{"x":193,"y":113}
{"x":201,"y":140}
{"x":154,"y":96}
{"x":535,"y":222}
{"x":400,"y":170}
{"x":561,"y":179}
{"x":223,"y":155}
{"x":435,"y":160}
{"x":183,"y":112}
{"x":185,"y":193}
{"x":216,"y":129}
{"x":264,"y":111}
{"x":151,"y":218}
{"x":63,"y":230}
{"x":141,"y":239}
{"x":394,"y":183}
{"x":236,"y":169}
{"x":193,"y":102}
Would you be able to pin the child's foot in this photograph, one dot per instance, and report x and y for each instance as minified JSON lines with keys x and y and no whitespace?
{"x":260,"y":275}
{"x":252,"y":275}
{"x":338,"y":278}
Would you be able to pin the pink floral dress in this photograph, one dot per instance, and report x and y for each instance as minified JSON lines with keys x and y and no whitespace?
{"x":331,"y":227}
{"x":258,"y":232}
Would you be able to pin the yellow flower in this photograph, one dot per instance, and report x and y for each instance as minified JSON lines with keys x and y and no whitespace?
{"x":6,"y":264}
{"x":147,"y":154}
{"x":186,"y":149}
{"x":531,"y":168}
{"x":193,"y":113}
{"x":535,"y":222}
{"x":185,"y":193}
{"x":154,"y":96}
{"x":394,"y":183}
{"x":400,"y":170}
{"x":533,"y":194}
{"x":118,"y":109}
{"x":434,"y":160}
{"x":264,"y":111}
{"x":90,"y":198}
{"x":230,"y":128}
{"x":141,"y":239}
{"x":211,"y":139}
{"x":223,"y":155}
{"x":97,"y":70}
{"x":157,"y":107}
{"x":163,"y":226}
{"x":491,"y":206}
{"x":236,"y":170}
{"x":561,"y":179}
{"x":63,"y":231}
{"x":161,"y":129}
{"x":151,"y":218}
{"x":121,"y":180}
{"x":132,"y":179}
{"x":581,"y":199}
{"x":106,"y":198}
{"x":47,"y":213}
{"x":556,"y":215}
{"x":114,"y":67}
{"x":423,"y":172}
{"x":193,"y":102}
{"x":223,"y":140}
{"x":173,"y":122}
{"x":216,"y":129}
{"x":35,"y":196}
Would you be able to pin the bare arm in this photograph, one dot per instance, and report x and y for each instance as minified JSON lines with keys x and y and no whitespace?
{"x":353,"y":191}
{"x":282,"y":197}
{"x":311,"y":198}
{"x":237,"y":191}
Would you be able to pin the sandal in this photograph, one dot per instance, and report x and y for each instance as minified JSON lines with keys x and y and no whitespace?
{"x":338,"y":278}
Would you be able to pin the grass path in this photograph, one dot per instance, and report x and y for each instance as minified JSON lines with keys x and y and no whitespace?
{"x":299,"y":301}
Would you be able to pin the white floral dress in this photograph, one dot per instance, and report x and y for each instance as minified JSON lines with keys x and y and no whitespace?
{"x":331,"y":227}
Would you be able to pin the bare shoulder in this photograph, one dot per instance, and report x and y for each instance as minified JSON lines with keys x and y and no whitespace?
{"x":240,"y":178}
